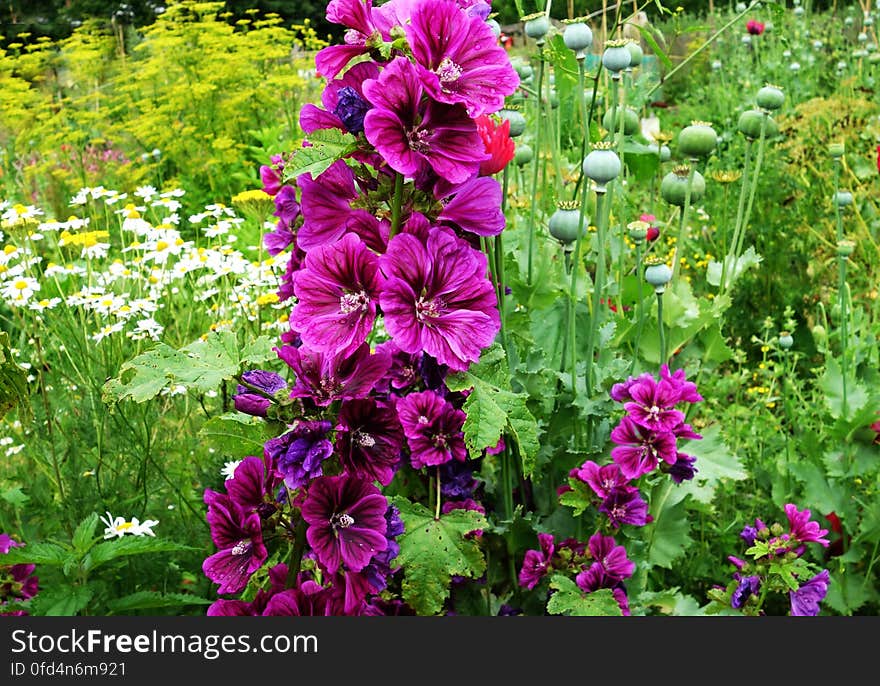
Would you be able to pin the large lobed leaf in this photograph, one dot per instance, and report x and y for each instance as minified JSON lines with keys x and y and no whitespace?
{"x":432,"y":551}
{"x":568,"y":599}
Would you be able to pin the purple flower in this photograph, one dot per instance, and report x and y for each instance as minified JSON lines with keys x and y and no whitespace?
{"x":805,"y":601}
{"x":433,"y":429}
{"x":369,"y":439}
{"x":412,"y":132}
{"x":474,"y":206}
{"x":251,"y":403}
{"x":7,"y":543}
{"x":250,"y":484}
{"x":603,"y":480}
{"x":437,"y":299}
{"x":615,"y":564}
{"x":362,"y":35}
{"x":327,"y":212}
{"x":459,"y":58}
{"x":337,"y":293}
{"x":298,"y":454}
{"x":456,"y":480}
{"x":307,"y":599}
{"x":748,"y":586}
{"x":238,"y":537}
{"x":802,"y":528}
{"x":278,"y":240}
{"x":639,"y":450}
{"x":750,"y":533}
{"x":270,"y":175}
{"x":327,"y":377}
{"x":625,"y":507}
{"x":652,"y":404}
{"x":286,"y":207}
{"x":346,"y":518}
{"x":687,"y":389}
{"x":536,"y":563}
{"x":343,"y":100}
{"x":683,"y":469}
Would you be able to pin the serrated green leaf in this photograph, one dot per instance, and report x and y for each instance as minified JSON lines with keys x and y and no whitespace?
{"x":236,"y":435}
{"x":492,"y":408}
{"x":579,"y":498}
{"x":568,"y":599}
{"x":127,"y":546}
{"x":736,"y":267}
{"x":667,"y":536}
{"x":146,"y":600}
{"x":144,"y":377}
{"x":50,"y":554}
{"x":671,"y":602}
{"x":62,"y":601}
{"x":818,"y":491}
{"x":327,"y":146}
{"x":15,"y":496}
{"x":432,"y":551}
{"x":84,"y":535}
{"x":13,"y":382}
{"x":848,"y":591}
{"x":831,"y":384}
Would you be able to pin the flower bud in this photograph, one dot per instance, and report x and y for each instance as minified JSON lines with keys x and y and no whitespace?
{"x":665,"y":153}
{"x":776,"y":529}
{"x":862,"y":37}
{"x":820,"y":335}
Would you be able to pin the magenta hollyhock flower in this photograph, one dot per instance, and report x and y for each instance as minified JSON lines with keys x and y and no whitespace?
{"x":536,"y":563}
{"x":278,"y":239}
{"x":270,"y":175}
{"x":337,"y":291}
{"x":805,"y":601}
{"x":687,"y":390}
{"x":683,"y":469}
{"x":653,"y":404}
{"x":638,"y":451}
{"x":459,"y":59}
{"x":612,"y":557}
{"x":802,"y":528}
{"x":625,"y":506}
{"x":404,"y":371}
{"x":299,"y":453}
{"x":250,"y":484}
{"x":437,"y":299}
{"x":7,"y":543}
{"x":369,"y":439}
{"x":324,"y":377}
{"x":307,"y":599}
{"x":603,"y":480}
{"x":327,"y":212}
{"x":252,"y":403}
{"x":474,"y":206}
{"x":362,"y":35}
{"x":412,"y":132}
{"x":238,"y":537}
{"x":343,"y":101}
{"x":346,"y":518}
{"x":286,"y":206}
{"x":432,"y":427}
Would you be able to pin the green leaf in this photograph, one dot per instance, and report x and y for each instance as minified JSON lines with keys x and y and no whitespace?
{"x":129,"y":545}
{"x":671,"y":602}
{"x":579,"y":498}
{"x":492,"y":408}
{"x":327,"y":146}
{"x":649,"y":35}
{"x":236,"y":435}
{"x":13,"y":382}
{"x":641,"y":160}
{"x":831,"y":384}
{"x":201,"y":366}
{"x":568,"y":599}
{"x":61,"y":601}
{"x":715,"y":464}
{"x":735,"y":267}
{"x":84,"y":536}
{"x":432,"y":551}
{"x":667,"y":536}
{"x":49,"y":554}
{"x":818,"y":491}
{"x":848,"y":591}
{"x":15,"y":497}
{"x":146,"y":600}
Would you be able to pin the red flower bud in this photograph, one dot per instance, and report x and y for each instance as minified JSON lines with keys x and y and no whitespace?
{"x":497,"y":142}
{"x":755,"y":28}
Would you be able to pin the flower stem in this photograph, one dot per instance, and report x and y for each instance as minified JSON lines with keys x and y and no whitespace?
{"x":598,"y":281}
{"x":439,"y":497}
{"x":660,"y":328}
{"x":296,"y":553}
{"x":396,"y":202}
{"x":731,"y":257}
{"x":641,"y":309}
{"x":682,"y":238}
{"x":537,"y":166}
{"x":754,"y":185}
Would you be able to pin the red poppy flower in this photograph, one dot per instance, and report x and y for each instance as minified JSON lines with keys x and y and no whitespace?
{"x":497,"y":142}
{"x":755,"y":28}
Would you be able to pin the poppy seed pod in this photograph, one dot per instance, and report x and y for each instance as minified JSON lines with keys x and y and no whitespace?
{"x":602,"y":165}
{"x":611,"y":120}
{"x":537,"y":25}
{"x":770,"y":97}
{"x":665,"y":153}
{"x":516,"y":119}
{"x":674,"y":186}
{"x":845,"y":248}
{"x":616,"y":57}
{"x":636,"y":54}
{"x":785,"y":340}
{"x":836,"y":150}
{"x":750,"y":121}
{"x":638,"y":231}
{"x":523,"y":154}
{"x":697,"y":140}
{"x":577,"y":37}
{"x":658,"y":274}
{"x":565,"y":222}
{"x":843,"y":199}
{"x":495,"y":26}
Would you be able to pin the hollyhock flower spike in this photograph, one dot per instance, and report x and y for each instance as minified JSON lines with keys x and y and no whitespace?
{"x":337,"y":292}
{"x":411,"y":132}
{"x":437,"y":299}
{"x":459,"y":59}
{"x":346,"y":521}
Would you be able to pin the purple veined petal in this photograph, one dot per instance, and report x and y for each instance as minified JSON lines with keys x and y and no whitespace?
{"x":475,"y":206}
